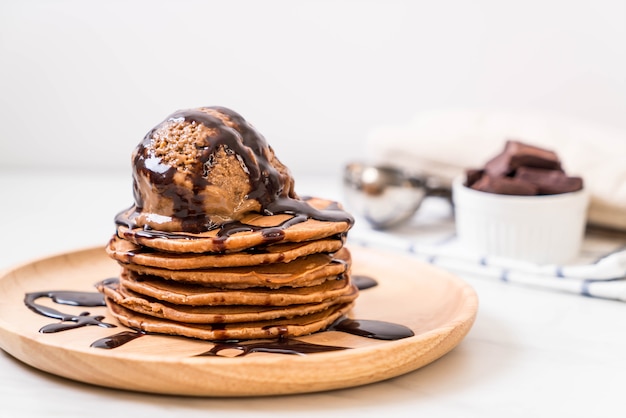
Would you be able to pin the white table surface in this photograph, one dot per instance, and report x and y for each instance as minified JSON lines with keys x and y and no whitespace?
{"x":530,"y":352}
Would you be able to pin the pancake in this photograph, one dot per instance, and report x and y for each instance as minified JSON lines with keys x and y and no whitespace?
{"x":217,"y":244}
{"x":293,"y":327}
{"x":309,"y":270}
{"x":217,"y":314}
{"x":197,"y":295}
{"x":254,"y":230}
{"x":127,"y":252}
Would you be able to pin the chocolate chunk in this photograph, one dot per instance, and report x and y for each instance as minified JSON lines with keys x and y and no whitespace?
{"x":522,"y":169}
{"x":517,"y":154}
{"x":549,"y":181}
{"x":472,"y":176}
{"x":504,"y":185}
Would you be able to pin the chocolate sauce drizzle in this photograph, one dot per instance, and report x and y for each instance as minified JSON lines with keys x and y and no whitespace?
{"x":270,"y":234}
{"x":378,"y":330}
{"x":278,"y":346}
{"x":283,"y":345}
{"x":272,"y":189}
{"x":117,"y":340}
{"x":363,"y":282}
{"x":68,"y":321}
{"x":365,"y":328}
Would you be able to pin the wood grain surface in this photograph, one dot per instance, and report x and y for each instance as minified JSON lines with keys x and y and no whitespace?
{"x":439,"y":307}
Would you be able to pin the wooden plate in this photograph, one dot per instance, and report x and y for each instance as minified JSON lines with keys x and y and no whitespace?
{"x":438,"y":307}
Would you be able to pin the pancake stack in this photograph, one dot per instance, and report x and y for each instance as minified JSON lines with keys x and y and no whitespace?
{"x":217,"y":245}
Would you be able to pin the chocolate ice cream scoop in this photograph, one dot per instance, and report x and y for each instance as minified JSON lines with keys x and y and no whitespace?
{"x":201,"y":168}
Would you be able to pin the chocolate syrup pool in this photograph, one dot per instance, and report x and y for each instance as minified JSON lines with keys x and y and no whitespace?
{"x":366,"y":328}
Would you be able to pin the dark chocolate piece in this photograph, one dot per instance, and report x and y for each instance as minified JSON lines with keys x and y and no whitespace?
{"x":525,"y":170}
{"x":549,"y":181}
{"x":472,"y":176}
{"x":504,"y":185}
{"x":517,"y":154}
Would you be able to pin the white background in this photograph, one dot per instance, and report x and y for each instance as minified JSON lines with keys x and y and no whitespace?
{"x":81,"y":82}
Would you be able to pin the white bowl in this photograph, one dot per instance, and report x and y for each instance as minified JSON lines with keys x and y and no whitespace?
{"x":545,"y":229}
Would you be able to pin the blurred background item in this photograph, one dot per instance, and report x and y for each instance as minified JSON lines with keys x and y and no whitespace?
{"x":81,"y":82}
{"x":446,"y":143}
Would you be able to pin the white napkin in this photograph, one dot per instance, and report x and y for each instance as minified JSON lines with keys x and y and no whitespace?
{"x":445,"y":143}
{"x":600,"y":270}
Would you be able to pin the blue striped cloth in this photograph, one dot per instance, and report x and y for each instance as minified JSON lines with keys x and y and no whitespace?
{"x":599,"y":272}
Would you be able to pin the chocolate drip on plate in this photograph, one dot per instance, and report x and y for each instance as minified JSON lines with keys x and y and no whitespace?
{"x":68,"y":321}
{"x":278,"y":346}
{"x":117,"y":340}
{"x":363,"y":282}
{"x":379,"y":330}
